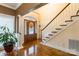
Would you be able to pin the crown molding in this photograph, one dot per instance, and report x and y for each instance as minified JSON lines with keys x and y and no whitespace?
{"x":10,"y":6}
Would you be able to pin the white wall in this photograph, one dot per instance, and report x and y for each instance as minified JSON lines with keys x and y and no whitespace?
{"x":71,"y":32}
{"x":21,"y":30}
{"x":65,"y":15}
{"x":62,"y":39}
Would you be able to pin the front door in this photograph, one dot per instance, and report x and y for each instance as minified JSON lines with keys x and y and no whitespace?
{"x":30,"y":31}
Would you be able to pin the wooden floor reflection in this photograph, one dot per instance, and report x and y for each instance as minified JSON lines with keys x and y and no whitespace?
{"x":34,"y":48}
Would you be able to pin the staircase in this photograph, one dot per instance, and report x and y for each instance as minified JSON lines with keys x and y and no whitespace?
{"x":62,"y":21}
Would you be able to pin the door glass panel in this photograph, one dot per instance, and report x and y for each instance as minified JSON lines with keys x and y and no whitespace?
{"x":31,"y":28}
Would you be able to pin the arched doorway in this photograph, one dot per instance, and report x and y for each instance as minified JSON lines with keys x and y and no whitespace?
{"x":30,"y":29}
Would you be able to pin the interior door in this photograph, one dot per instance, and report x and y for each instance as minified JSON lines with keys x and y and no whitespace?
{"x":30,"y":30}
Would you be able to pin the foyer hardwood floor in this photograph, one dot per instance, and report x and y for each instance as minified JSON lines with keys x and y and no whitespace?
{"x":34,"y":48}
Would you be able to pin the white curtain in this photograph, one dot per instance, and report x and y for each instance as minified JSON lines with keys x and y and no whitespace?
{"x":7,"y":20}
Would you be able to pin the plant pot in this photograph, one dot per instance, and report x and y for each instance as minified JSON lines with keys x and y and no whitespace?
{"x":8,"y":47}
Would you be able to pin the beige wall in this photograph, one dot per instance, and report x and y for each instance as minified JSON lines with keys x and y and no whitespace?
{"x":48,"y":12}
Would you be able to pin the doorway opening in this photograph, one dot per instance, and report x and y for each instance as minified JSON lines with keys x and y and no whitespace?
{"x":29,"y":31}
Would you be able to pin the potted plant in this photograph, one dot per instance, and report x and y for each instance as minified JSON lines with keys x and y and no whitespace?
{"x":7,"y":38}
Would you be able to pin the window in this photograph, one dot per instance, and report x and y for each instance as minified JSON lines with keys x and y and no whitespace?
{"x":7,"y":20}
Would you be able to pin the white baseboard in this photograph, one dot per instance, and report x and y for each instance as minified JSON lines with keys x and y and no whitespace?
{"x":62,"y":49}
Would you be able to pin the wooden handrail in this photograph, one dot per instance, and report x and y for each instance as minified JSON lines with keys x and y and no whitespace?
{"x":56,"y":16}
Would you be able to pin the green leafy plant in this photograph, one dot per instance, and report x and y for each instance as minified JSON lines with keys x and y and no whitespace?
{"x":45,"y":40}
{"x":6,"y":35}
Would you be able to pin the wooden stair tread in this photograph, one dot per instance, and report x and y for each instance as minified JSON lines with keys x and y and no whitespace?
{"x":50,"y":34}
{"x":54,"y":31}
{"x":68,"y":20}
{"x":58,"y":28}
{"x":46,"y":37}
{"x":63,"y":25}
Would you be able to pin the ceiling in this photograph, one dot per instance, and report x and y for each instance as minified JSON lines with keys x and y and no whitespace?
{"x":11,"y":5}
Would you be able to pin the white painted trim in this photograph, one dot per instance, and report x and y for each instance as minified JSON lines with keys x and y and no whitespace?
{"x":6,"y":15}
{"x":10,"y":6}
{"x":18,"y":5}
{"x":61,"y":48}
